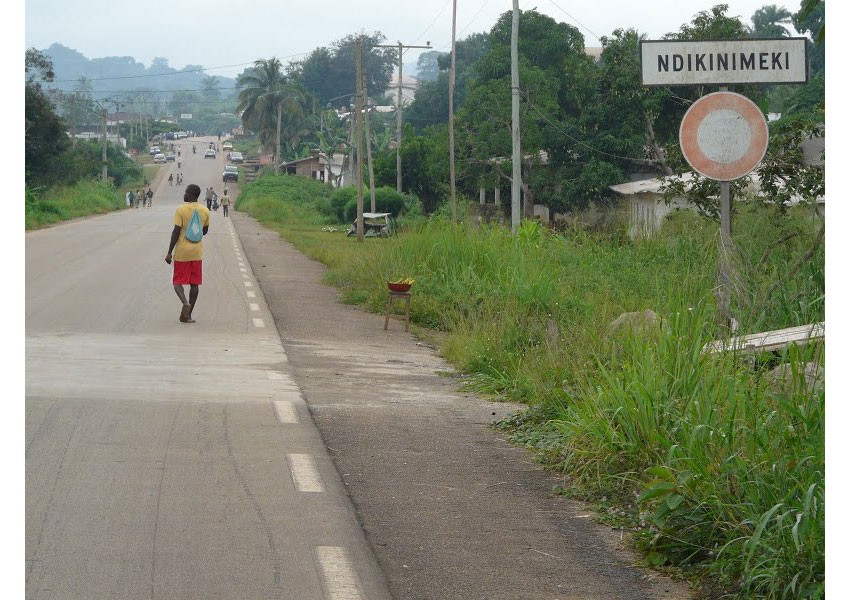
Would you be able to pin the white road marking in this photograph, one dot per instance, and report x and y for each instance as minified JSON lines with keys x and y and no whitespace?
{"x":250,"y":294}
{"x":243,"y":269}
{"x":285,"y":412}
{"x":275,"y":376}
{"x":248,"y":284}
{"x":304,"y":473}
{"x":258,"y":323}
{"x":253,"y":306}
{"x":338,"y":573}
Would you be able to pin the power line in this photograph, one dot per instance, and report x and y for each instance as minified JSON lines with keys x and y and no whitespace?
{"x":576,"y":20}
{"x":439,"y":14}
{"x":574,"y":139}
{"x":475,"y":16}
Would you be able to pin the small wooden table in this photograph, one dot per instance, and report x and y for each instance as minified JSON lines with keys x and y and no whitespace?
{"x":402,"y":297}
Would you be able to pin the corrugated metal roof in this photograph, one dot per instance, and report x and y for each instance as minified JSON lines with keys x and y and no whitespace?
{"x":648,"y":186}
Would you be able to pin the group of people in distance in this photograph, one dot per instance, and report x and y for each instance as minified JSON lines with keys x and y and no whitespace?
{"x":139,"y":198}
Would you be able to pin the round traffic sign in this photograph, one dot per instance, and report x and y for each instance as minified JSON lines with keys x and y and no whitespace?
{"x":723,"y":136}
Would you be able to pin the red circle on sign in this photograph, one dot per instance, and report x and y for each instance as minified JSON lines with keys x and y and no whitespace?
{"x":746,"y":135}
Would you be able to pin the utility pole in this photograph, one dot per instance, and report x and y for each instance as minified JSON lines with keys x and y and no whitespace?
{"x":401,"y":48}
{"x":104,"y":174}
{"x":516,"y":180}
{"x":369,"y":151}
{"x":117,"y":126}
{"x":358,"y":112}
{"x":277,"y":147}
{"x":452,"y":115}
{"x":365,"y":91}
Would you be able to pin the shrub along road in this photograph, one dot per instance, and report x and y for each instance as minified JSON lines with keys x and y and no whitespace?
{"x":451,"y":509}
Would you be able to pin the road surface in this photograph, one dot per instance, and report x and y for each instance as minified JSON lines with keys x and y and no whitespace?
{"x":168,"y":460}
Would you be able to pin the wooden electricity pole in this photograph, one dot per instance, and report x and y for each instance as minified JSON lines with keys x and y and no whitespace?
{"x":358,"y":114}
{"x":516,"y":181}
{"x":398,"y":121}
{"x":452,"y":116}
{"x":368,"y":144}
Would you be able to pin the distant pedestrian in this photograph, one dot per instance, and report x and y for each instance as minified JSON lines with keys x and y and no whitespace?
{"x":188,"y":256}
{"x":130,"y":197}
{"x":225,"y":202}
{"x":171,"y":179}
{"x":140,"y":198}
{"x":209,"y":196}
{"x":150,"y":197}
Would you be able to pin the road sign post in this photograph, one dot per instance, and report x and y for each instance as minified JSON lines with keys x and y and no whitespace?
{"x":723,"y":135}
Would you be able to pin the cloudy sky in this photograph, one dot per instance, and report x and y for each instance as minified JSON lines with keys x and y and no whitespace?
{"x":226,"y":36}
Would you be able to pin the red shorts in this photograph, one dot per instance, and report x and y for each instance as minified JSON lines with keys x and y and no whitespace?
{"x":187,"y":272}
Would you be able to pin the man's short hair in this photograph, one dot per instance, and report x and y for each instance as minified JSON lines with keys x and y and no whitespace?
{"x":194,"y":191}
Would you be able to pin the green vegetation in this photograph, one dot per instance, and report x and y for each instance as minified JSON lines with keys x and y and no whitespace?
{"x":714,"y":464}
{"x":61,"y":203}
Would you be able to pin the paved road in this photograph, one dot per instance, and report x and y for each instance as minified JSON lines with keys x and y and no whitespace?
{"x":168,"y":460}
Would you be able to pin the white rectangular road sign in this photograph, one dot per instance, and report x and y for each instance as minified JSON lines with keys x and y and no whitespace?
{"x":723,"y":62}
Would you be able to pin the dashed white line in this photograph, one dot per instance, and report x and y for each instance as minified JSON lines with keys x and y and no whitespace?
{"x":258,"y":322}
{"x":285,"y":412}
{"x":248,"y":284}
{"x":254,"y":307}
{"x":243,"y":269}
{"x":275,"y":376}
{"x":250,"y":294}
{"x":305,"y":475}
{"x":338,"y":573}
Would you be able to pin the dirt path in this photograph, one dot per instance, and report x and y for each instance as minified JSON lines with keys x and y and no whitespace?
{"x":451,"y":509}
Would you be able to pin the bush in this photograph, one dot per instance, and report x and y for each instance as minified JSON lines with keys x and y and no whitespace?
{"x":386,"y":200}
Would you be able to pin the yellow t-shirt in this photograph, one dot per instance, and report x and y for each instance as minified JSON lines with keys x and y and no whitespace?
{"x":186,"y":250}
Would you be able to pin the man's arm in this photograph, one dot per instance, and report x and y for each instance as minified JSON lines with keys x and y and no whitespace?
{"x":175,"y":235}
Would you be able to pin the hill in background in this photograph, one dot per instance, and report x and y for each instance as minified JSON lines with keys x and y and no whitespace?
{"x":113,"y":74}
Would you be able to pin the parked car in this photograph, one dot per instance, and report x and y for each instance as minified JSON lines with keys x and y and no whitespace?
{"x":155,"y":150}
{"x":231,"y":173}
{"x":236,"y":157}
{"x":210,"y":153}
{"x":170,"y":156}
{"x":227,"y":146}
{"x":159,"y":158}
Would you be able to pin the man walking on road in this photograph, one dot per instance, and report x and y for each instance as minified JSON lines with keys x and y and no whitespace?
{"x":225,"y":202}
{"x":188,"y":256}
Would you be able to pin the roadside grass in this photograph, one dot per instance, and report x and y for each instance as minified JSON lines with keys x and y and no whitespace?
{"x":714,"y":466}
{"x":54,"y":205}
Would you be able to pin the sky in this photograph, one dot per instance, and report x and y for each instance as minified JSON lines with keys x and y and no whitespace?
{"x":225,"y":37}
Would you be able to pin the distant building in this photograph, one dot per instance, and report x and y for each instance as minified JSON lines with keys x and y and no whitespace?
{"x":319,"y":167}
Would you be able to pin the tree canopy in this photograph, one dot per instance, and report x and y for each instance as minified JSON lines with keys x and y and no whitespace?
{"x":328,"y":72}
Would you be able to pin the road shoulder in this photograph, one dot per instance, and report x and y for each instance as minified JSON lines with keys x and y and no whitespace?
{"x":450,"y":508}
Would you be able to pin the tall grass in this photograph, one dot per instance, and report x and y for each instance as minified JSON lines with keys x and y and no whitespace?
{"x":728,"y":460}
{"x":716,"y":467}
{"x":48,"y":206}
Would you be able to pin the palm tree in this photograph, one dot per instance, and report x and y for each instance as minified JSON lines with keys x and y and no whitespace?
{"x":261,"y":99}
{"x":769,"y":22}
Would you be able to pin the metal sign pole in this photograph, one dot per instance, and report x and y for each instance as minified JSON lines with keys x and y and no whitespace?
{"x":725,"y":291}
